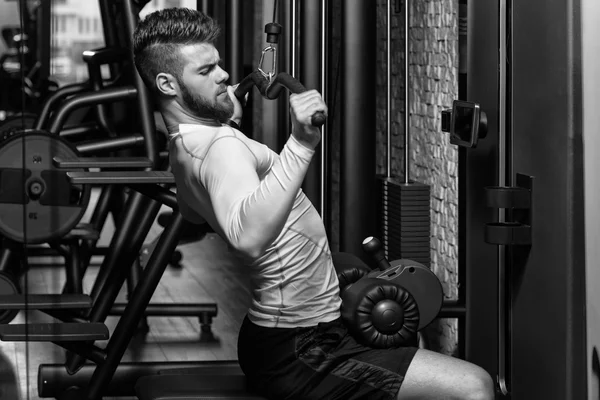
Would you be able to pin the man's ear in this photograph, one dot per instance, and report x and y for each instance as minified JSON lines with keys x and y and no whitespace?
{"x":166,"y":84}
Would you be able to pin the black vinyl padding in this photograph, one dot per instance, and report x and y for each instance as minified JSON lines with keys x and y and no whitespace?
{"x":221,"y":383}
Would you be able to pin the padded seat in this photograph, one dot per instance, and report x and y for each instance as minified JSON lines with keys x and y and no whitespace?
{"x":194,"y":387}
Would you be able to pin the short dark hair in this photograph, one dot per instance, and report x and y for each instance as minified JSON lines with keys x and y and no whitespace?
{"x":158,"y":37}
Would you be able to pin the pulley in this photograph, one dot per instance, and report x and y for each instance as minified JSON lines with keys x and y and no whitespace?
{"x":38,"y":204}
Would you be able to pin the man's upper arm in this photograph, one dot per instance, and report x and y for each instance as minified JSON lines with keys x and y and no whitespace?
{"x":228,"y":173}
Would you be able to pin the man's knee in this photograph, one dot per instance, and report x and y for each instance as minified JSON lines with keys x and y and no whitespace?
{"x":432,"y":375}
{"x":478,"y":385}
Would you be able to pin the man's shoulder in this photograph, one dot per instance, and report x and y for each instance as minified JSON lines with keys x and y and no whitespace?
{"x":198,"y":139}
{"x":230,"y":140}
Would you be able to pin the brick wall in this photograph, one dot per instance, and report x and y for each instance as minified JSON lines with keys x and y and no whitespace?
{"x":433,"y":83}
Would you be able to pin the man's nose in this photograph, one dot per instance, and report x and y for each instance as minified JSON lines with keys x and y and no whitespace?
{"x":223,"y":75}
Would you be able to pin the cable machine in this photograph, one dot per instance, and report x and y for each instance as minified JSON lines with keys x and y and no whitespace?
{"x":522,"y":191}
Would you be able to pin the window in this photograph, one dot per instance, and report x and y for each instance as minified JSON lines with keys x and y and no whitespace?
{"x":158,"y":5}
{"x":78,"y":28}
{"x":172,"y":3}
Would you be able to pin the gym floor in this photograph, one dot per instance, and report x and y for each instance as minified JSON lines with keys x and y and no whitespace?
{"x":207,"y":274}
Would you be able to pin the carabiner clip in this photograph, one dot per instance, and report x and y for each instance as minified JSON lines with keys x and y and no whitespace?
{"x":268,"y":75}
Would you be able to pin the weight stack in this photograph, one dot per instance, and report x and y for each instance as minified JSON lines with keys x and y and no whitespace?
{"x":405,"y":220}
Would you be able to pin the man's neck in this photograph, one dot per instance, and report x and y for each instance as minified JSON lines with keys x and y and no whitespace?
{"x":174,"y":117}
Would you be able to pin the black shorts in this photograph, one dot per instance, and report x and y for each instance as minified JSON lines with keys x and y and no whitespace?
{"x":322,"y":362}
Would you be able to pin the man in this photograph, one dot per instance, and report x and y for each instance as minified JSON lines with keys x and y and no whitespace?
{"x":292,"y":344}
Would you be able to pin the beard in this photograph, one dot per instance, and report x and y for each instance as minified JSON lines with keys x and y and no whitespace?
{"x":204,"y":108}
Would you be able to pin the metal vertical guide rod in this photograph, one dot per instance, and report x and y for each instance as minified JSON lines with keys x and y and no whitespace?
{"x":324,"y":131}
{"x":294,"y":39}
{"x":43,"y":44}
{"x":406,"y":93}
{"x":203,"y":6}
{"x":234,"y":40}
{"x":293,"y":49}
{"x":388,"y":167}
{"x":502,"y":284}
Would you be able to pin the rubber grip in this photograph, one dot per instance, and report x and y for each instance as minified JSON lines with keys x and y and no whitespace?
{"x":273,"y":89}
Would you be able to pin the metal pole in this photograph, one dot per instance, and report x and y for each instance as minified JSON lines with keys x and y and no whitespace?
{"x":310,"y":43}
{"x":43,"y":42}
{"x":144,"y":104}
{"x":125,"y":245}
{"x":389,"y":91}
{"x":294,"y":39}
{"x":59,"y":116}
{"x":406,"y":91}
{"x":135,"y":307}
{"x":234,"y":38}
{"x":309,"y":75}
{"x":111,"y":37}
{"x":52,"y":100}
{"x":206,"y":6}
{"x":503,"y":310}
{"x":287,"y":54}
{"x":324,"y":130}
{"x":357,"y":175}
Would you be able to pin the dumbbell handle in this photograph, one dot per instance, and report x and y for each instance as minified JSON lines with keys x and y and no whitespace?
{"x":373,"y":247}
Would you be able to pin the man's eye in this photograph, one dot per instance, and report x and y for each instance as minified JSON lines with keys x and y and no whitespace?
{"x":208,"y":70}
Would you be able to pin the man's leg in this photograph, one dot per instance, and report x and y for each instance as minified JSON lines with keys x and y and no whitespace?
{"x":436,"y":376}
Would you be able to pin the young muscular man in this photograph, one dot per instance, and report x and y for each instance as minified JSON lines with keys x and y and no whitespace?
{"x":292,"y":343}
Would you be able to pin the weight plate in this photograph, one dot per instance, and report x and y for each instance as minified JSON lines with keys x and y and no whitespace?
{"x":16,"y":123}
{"x":37,"y":202}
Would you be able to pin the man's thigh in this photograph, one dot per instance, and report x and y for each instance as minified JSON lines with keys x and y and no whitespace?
{"x":436,"y":376}
{"x":354,"y":371}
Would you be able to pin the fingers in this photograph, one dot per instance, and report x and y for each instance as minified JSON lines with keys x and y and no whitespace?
{"x":231,"y":92}
{"x":238,"y":106}
{"x":305,"y":105}
{"x":310,"y":98}
{"x":245,"y":100}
